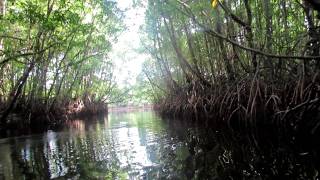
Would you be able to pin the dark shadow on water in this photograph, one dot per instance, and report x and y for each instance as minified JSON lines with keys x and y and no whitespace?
{"x":140,"y":145}
{"x":217,"y":155}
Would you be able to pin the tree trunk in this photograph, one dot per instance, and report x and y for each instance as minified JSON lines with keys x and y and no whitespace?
{"x":16,"y":92}
{"x":250,"y":35}
{"x":182,"y":60}
{"x":227,"y":64}
{"x":269,"y":31}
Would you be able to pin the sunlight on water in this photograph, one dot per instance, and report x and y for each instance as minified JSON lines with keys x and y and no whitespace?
{"x":120,"y":146}
{"x":140,"y":145}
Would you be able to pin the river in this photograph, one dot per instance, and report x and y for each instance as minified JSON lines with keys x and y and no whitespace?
{"x":140,"y":145}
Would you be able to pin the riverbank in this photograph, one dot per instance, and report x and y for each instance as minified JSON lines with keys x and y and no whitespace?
{"x":247,"y":104}
{"x":43,"y":115}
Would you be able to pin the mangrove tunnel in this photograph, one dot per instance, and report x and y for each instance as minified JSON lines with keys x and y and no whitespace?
{"x":159,"y":89}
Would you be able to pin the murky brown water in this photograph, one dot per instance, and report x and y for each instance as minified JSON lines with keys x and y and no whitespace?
{"x":139,"y":145}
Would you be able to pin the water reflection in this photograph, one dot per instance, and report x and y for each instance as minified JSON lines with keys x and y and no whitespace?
{"x":121,"y":146}
{"x":263,"y":155}
{"x":139,"y":145}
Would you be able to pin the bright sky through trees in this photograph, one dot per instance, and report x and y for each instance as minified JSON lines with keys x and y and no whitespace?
{"x":128,"y":62}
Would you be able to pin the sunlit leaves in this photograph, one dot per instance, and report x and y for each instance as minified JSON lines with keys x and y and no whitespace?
{"x":70,"y":40}
{"x":214,"y":3}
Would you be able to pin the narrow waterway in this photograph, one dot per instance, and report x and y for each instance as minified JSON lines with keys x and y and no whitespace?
{"x":119,"y":146}
{"x":140,"y":145}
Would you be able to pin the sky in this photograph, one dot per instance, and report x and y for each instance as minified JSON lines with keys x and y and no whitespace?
{"x":127,"y":61}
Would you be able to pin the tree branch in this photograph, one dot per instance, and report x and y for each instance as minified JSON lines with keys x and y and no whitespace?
{"x":259,"y":52}
{"x":25,"y":54}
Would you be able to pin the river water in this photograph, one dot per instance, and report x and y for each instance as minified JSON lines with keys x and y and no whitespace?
{"x":140,"y":145}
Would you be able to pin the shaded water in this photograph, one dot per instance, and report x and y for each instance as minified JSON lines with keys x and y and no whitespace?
{"x":139,"y":145}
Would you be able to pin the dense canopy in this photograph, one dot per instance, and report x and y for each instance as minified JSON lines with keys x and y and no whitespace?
{"x":54,"y":51}
{"x":243,"y":59}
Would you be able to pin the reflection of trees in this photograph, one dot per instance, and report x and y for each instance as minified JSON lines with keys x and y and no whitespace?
{"x":120,"y":152}
{"x":95,"y":153}
{"x":168,"y":151}
{"x":8,"y":168}
{"x":142,"y":130}
{"x":21,"y":156}
{"x":155,"y":149}
{"x":214,"y":154}
{"x":90,"y":156}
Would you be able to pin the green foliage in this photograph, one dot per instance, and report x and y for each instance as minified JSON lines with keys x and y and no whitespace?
{"x":142,"y":91}
{"x":60,"y":47}
{"x":192,"y":42}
